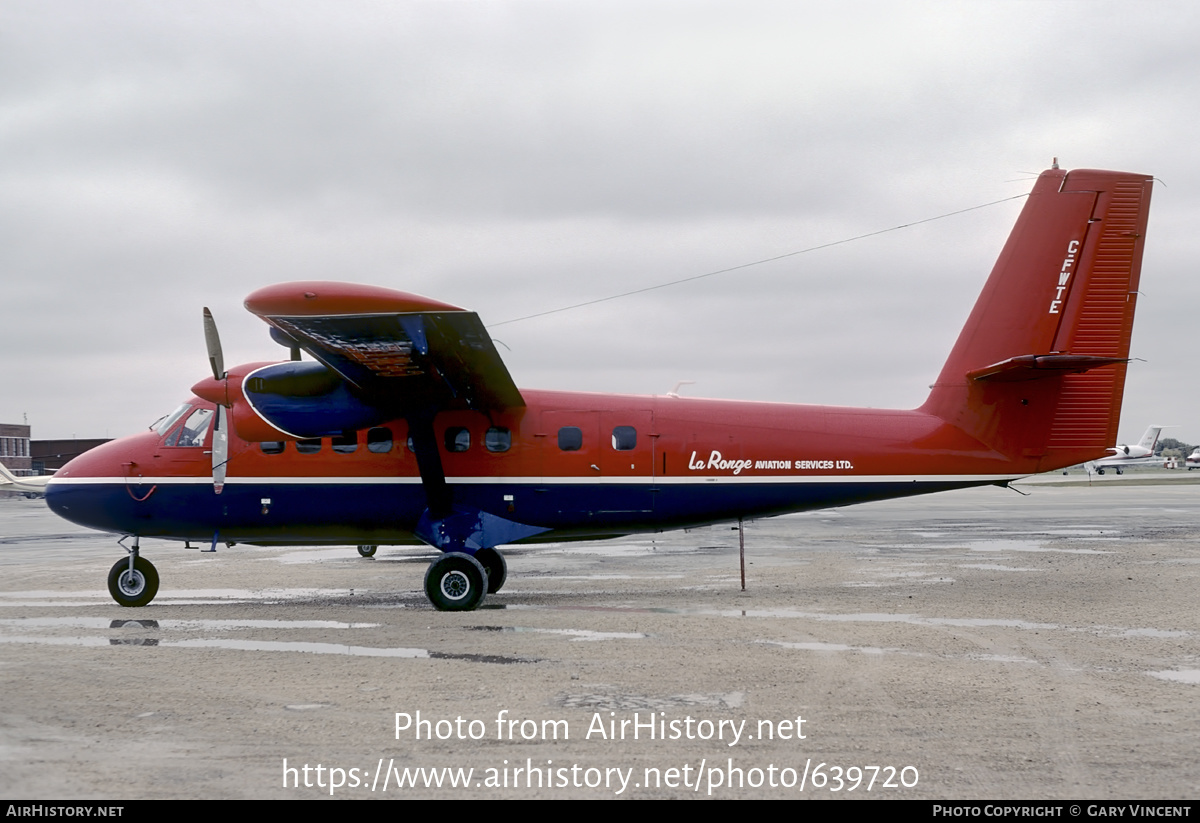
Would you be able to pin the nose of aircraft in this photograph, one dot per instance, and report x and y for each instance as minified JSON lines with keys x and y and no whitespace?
{"x":95,"y":488}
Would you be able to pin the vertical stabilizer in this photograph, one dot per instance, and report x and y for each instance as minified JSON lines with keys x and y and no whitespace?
{"x":1038,"y":371}
{"x":1150,"y":438}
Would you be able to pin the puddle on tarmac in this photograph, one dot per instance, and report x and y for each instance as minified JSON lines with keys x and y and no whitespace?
{"x":913,"y":619}
{"x":177,"y":597}
{"x":1159,"y":633}
{"x":995,"y":567}
{"x":614,"y":576}
{"x":270,"y":646}
{"x":574,"y":634}
{"x":833,"y":647}
{"x":627,"y":702}
{"x":1191,"y":676}
{"x":1033,"y":546}
{"x":110,"y":623}
{"x":1023,"y":546}
{"x":1000,"y":658}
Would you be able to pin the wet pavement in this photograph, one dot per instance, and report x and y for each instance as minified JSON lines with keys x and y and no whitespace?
{"x":980,"y":644}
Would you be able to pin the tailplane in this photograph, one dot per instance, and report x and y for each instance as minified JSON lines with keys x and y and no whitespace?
{"x":28,"y":485}
{"x":1038,"y":371}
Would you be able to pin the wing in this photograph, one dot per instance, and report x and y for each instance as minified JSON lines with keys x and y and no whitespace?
{"x":397,"y":351}
{"x":384,"y":354}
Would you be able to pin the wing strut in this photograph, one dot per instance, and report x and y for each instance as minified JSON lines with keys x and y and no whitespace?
{"x":444,"y":525}
{"x":438,"y":495}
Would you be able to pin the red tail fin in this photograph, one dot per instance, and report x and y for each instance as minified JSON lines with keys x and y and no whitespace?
{"x":1038,"y":371}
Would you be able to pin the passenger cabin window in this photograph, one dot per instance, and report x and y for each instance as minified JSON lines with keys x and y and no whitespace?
{"x":379,"y":440}
{"x":458,"y":439}
{"x":309,"y":446}
{"x":624,"y":438}
{"x":192,"y":432}
{"x":345,"y":443}
{"x":272,"y":446}
{"x":570,"y":438}
{"x":497,"y":439}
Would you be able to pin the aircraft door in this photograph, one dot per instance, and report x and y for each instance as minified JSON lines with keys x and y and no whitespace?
{"x":571,"y":446}
{"x":185,"y":445}
{"x":627,"y":447}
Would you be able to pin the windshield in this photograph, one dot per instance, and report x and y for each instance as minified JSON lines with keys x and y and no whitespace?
{"x":164,"y":424}
{"x":192,"y":432}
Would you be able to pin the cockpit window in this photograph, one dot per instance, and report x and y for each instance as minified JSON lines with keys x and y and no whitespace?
{"x":164,"y":424}
{"x":192,"y":432}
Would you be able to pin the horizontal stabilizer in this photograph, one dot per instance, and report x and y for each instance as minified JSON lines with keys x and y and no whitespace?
{"x":1034,"y":366}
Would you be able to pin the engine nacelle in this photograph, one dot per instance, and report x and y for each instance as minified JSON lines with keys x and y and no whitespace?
{"x":293,"y":400}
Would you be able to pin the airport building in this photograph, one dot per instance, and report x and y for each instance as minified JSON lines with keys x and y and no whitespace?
{"x":15,"y":449}
{"x":48,"y":456}
{"x":24,"y":456}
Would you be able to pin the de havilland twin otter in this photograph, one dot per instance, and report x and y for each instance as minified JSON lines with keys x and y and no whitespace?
{"x":407,"y":427}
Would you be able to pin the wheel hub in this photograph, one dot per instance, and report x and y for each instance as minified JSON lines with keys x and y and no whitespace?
{"x":131,"y":584}
{"x":455,"y":585}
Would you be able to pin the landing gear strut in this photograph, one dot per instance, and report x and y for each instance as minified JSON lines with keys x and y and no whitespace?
{"x":133,"y":581}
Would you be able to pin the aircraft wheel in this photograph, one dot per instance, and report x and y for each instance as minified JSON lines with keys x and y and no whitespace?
{"x":455,"y":582}
{"x":1120,"y":471}
{"x":367,"y":551}
{"x":133,"y":589}
{"x":496,"y":567}
{"x":1099,"y":471}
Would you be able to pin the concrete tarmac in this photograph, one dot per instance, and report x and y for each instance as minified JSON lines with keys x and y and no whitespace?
{"x":969,"y":645}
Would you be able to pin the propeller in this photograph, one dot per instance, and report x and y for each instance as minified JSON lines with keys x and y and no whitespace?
{"x":220,"y":443}
{"x":213,"y":340}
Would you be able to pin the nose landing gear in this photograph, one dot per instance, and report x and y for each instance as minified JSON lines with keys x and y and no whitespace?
{"x":133,"y":581}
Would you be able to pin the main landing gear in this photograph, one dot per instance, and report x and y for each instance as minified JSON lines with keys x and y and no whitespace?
{"x":134,"y":580}
{"x":458,"y":582}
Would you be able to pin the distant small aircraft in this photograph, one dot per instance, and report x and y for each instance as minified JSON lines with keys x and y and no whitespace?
{"x":407,"y":427}
{"x":1138,"y":455}
{"x":1193,"y":459}
{"x":30,"y":486}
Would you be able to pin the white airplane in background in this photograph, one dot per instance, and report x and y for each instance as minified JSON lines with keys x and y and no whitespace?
{"x":1141,"y":454}
{"x":9,"y":482}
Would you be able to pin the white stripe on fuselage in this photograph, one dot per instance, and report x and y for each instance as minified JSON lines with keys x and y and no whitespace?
{"x":585,"y":480}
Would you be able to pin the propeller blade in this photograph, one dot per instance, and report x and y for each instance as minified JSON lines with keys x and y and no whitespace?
{"x":213,"y":340}
{"x":220,"y":449}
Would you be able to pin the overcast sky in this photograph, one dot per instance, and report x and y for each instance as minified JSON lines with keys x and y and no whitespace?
{"x":516,"y":157}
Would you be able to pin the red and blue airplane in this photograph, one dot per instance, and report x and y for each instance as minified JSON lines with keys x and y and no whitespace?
{"x":406,"y":426}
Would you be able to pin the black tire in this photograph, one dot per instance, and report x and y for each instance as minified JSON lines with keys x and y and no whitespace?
{"x":137,"y":589}
{"x":367,"y":551}
{"x":496,"y":567}
{"x":455,"y":582}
